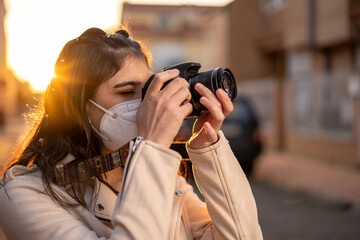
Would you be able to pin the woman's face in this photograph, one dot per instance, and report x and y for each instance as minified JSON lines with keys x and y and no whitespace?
{"x":124,"y":86}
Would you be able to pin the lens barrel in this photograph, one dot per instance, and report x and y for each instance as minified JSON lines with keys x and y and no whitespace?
{"x":213,"y":80}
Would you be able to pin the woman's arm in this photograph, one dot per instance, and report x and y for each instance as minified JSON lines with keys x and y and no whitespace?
{"x":229,"y":199}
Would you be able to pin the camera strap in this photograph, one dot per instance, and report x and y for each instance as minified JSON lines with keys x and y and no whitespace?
{"x":102,"y":164}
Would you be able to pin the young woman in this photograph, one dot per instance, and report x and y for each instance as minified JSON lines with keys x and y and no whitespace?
{"x":80,"y":175}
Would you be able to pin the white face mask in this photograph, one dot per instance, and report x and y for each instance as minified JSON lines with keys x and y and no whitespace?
{"x":118,"y":125}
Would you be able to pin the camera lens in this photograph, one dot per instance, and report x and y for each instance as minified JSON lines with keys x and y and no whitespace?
{"x":212,"y":79}
{"x":227,"y":82}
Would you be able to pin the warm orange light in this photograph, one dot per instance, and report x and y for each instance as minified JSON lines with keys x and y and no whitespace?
{"x":38,"y":29}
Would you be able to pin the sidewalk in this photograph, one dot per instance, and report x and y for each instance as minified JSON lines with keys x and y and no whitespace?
{"x":316,"y":177}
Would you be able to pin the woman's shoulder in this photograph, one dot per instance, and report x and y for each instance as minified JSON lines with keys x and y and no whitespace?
{"x":21,"y":184}
{"x":31,"y":174}
{"x":21,"y":176}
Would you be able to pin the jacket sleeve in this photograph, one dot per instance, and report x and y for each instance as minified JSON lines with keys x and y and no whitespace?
{"x":228,"y":195}
{"x":142,"y":211}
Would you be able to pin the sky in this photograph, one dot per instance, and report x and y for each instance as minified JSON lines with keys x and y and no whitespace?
{"x":38,"y":29}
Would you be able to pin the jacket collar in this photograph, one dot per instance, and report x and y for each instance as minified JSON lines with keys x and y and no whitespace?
{"x":102,"y":202}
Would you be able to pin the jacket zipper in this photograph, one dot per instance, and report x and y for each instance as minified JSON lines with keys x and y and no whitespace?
{"x":126,"y":170}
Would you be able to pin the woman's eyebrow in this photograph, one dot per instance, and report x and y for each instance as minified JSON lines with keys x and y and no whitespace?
{"x":134,"y":83}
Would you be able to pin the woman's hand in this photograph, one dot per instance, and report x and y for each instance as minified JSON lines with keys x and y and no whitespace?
{"x":162,"y":111}
{"x":208,"y":124}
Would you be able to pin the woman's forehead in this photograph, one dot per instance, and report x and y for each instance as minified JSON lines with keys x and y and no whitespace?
{"x":134,"y":71}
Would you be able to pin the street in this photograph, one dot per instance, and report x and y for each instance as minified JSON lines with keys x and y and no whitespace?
{"x":293,"y":215}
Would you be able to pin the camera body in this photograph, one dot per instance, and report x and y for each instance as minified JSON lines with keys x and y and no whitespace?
{"x":212,"y":79}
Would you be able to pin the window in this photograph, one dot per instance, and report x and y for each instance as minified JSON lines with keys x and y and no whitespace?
{"x":271,"y":6}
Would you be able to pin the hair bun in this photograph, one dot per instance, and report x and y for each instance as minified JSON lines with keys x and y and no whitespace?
{"x":123,"y":32}
{"x":93,"y":32}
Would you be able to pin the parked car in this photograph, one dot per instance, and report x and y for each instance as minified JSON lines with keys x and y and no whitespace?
{"x":241,"y":128}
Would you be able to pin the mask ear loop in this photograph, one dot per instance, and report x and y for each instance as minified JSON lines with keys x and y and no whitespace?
{"x":97,"y":132}
{"x":113,"y":115}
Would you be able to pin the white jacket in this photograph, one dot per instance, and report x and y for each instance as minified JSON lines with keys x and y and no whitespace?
{"x":154,"y":201}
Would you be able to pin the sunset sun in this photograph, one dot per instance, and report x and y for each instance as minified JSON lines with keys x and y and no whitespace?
{"x":38,"y":29}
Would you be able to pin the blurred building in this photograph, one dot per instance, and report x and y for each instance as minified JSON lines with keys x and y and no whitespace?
{"x":175,"y":34}
{"x":8,"y":86}
{"x":299,"y":60}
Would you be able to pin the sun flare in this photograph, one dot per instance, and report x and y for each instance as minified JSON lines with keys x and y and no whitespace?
{"x":38,"y":29}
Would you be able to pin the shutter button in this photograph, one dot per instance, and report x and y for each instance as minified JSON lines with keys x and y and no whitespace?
{"x":178,"y":192}
{"x":100,"y":207}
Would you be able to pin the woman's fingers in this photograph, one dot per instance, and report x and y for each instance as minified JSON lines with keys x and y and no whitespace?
{"x":160,"y":79}
{"x":178,"y":103}
{"x":208,"y":124}
{"x":163,"y":110}
{"x":215,"y":111}
{"x":175,"y":86}
{"x":172,"y":89}
{"x":186,"y":109}
{"x":226,"y":103}
{"x":210,"y":132}
{"x":182,"y":95}
{"x":204,"y":91}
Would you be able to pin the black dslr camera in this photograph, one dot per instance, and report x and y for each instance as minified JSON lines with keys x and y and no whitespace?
{"x":212,"y":79}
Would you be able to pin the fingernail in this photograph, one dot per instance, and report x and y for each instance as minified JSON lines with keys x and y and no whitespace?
{"x":198,"y":86}
{"x":222,"y":92}
{"x":204,"y":100}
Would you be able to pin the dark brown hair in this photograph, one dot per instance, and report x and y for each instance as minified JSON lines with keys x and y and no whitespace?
{"x":62,"y":126}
